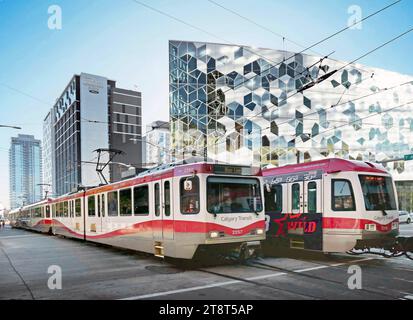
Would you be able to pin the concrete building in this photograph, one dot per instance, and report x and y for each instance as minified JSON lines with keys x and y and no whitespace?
{"x":25,"y":170}
{"x":91,"y":113}
{"x":245,"y":105}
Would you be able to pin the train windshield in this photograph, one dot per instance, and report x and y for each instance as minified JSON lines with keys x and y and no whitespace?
{"x":378,"y":193}
{"x":233,"y":195}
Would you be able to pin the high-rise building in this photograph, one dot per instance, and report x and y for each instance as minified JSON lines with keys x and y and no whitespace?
{"x":48,"y":155}
{"x":242,"y":104}
{"x":157,"y":141}
{"x":25,"y":166}
{"x":92,"y":113}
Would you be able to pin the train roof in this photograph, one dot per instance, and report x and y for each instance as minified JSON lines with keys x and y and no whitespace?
{"x":327,"y":166}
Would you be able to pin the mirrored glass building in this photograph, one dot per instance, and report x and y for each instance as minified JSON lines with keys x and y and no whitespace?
{"x":256,"y":106}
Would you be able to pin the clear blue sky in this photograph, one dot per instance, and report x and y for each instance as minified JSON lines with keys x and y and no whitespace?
{"x":126,"y":42}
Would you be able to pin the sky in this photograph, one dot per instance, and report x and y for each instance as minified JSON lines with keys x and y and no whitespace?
{"x":127,"y":42}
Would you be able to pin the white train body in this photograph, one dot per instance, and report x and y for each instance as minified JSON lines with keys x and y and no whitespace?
{"x":174,"y":211}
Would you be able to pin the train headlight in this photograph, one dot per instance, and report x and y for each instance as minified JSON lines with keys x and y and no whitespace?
{"x":260,"y":231}
{"x":257,"y":232}
{"x":395,"y":225}
{"x":214,"y":234}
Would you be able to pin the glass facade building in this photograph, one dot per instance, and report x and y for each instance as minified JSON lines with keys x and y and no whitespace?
{"x":25,"y":165}
{"x":255,"y":106}
{"x":91,"y":113}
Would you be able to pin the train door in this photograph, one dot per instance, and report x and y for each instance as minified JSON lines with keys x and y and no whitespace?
{"x":157,"y":222}
{"x":101,"y":210}
{"x":295,"y":197}
{"x":312,"y":215}
{"x":167,"y":212}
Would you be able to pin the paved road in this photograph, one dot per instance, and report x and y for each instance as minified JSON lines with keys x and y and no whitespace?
{"x":95,"y":272}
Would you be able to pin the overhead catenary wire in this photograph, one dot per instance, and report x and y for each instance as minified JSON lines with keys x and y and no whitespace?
{"x":252,"y":51}
{"x":284,"y":38}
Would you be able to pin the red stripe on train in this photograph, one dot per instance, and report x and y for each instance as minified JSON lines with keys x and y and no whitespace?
{"x":358,"y":224}
{"x":171,"y":225}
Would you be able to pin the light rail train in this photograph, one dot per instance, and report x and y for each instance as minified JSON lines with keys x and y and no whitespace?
{"x":331,"y":205}
{"x":171,"y":211}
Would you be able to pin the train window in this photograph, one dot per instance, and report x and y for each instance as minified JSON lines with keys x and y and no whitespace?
{"x":157,"y":200}
{"x":70,"y":209}
{"x":99,"y":205}
{"x":91,"y":210}
{"x":125,"y":202}
{"x":295,"y":196}
{"x":102,"y":204}
{"x":113,"y":204}
{"x":78,"y":208}
{"x":38,"y":212}
{"x":58,"y":209}
{"x":47,"y":211}
{"x":378,"y":193}
{"x":167,"y":198}
{"x":274,"y":199}
{"x":141,"y":200}
{"x":343,"y":196}
{"x":312,"y":197}
{"x":189,"y":190}
{"x":64,"y":209}
{"x":233,"y":195}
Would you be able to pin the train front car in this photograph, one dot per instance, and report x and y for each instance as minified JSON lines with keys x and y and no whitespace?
{"x":220,"y":210}
{"x":330,"y":205}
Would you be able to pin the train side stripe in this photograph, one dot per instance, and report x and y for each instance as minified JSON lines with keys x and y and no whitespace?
{"x":178,"y":226}
{"x":358,"y":224}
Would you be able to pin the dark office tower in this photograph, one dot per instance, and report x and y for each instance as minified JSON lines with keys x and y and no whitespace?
{"x":25,"y":165}
{"x":90,"y":114}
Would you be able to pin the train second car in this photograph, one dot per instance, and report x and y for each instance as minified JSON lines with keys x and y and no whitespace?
{"x":331,"y":205}
{"x":170,"y":211}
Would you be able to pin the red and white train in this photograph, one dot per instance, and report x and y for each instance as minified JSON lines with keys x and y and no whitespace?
{"x":331,"y":205}
{"x":170,"y":211}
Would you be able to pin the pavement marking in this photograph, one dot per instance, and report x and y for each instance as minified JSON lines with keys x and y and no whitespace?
{"x":404,"y":280}
{"x":408,"y":297}
{"x":226,"y":283}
